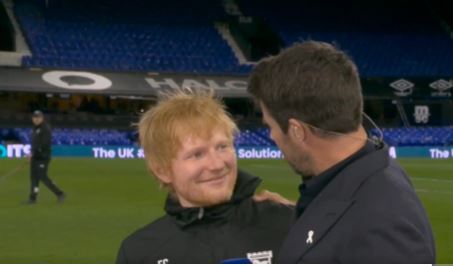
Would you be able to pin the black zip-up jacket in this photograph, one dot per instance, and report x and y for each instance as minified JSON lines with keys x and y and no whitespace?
{"x":240,"y":228}
{"x":41,"y":141}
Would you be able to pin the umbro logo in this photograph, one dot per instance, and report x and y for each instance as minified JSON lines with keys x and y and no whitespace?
{"x":441,"y":88}
{"x":402,"y":87}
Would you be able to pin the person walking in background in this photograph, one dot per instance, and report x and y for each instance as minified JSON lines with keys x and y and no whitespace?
{"x":356,"y":204}
{"x":40,"y":157}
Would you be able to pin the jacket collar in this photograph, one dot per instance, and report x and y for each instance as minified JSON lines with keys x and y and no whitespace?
{"x":245,"y":188}
{"x":310,"y":188}
{"x":330,"y":205}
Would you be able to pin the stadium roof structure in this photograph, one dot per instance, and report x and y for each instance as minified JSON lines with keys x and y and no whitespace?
{"x":144,"y":84}
{"x":115,"y":83}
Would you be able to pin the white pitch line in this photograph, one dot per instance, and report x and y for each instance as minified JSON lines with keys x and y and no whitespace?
{"x":426,"y":165}
{"x":433,"y":191}
{"x":433,"y":179}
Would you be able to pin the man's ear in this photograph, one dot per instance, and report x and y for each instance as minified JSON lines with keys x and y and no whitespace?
{"x":296,"y":130}
{"x":161,"y":173}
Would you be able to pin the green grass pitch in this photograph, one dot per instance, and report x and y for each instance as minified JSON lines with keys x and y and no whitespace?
{"x":108,"y":199}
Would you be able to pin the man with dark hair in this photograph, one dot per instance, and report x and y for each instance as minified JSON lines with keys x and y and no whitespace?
{"x":356,"y":205}
{"x":40,"y":158}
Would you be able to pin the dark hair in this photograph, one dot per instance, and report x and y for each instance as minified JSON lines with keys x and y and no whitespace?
{"x":313,"y":82}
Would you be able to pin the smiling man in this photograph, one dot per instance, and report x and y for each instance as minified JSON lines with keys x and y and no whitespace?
{"x":210,"y":214}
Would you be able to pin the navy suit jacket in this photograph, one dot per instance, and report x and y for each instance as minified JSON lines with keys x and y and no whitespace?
{"x":368,"y":213}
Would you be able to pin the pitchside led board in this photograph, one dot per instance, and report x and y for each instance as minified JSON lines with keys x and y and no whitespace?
{"x":243,"y":152}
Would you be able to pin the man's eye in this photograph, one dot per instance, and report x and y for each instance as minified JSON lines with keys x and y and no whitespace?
{"x":222,"y":146}
{"x":197,"y":155}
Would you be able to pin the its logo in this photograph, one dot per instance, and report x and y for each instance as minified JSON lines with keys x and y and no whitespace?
{"x":14,"y":150}
{"x":3,"y":151}
{"x":261,"y":257}
{"x":441,"y":88}
{"x":402,"y":87}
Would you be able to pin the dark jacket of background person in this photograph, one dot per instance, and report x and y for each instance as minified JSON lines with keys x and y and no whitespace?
{"x":240,"y":228}
{"x":374,"y":194}
{"x":41,"y":141}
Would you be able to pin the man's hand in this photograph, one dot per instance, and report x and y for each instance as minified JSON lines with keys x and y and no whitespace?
{"x":272,"y":196}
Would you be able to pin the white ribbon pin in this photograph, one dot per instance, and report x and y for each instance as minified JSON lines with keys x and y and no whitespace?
{"x":310,"y":236}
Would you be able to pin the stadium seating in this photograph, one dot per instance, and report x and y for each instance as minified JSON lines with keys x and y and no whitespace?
{"x":385,"y":38}
{"x":422,"y":136}
{"x":66,"y":136}
{"x":426,"y":136}
{"x":256,"y":137}
{"x":136,"y":35}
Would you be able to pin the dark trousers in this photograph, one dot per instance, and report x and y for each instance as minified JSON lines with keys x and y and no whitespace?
{"x":38,"y":173}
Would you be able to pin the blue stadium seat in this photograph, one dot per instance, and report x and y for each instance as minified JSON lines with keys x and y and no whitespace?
{"x":385,"y":38}
{"x":110,"y":35}
{"x":413,"y":136}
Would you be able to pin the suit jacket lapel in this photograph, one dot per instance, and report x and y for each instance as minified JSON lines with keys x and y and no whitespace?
{"x":324,"y":211}
{"x":317,"y":220}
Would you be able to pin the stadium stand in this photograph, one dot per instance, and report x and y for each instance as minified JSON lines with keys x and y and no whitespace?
{"x":412,"y":136}
{"x":424,"y":136}
{"x":254,"y":137}
{"x":163,"y":36}
{"x":385,"y":38}
{"x":66,"y":136}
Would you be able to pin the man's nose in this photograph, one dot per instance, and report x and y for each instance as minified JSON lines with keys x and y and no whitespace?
{"x":215,"y":161}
